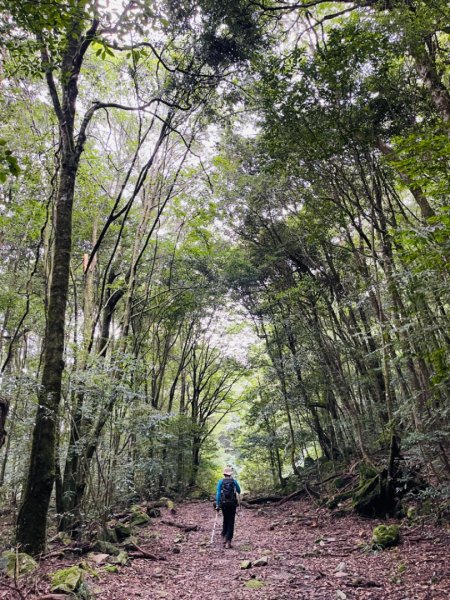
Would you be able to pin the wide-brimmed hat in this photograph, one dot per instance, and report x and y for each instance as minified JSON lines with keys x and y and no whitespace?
{"x":228,"y":471}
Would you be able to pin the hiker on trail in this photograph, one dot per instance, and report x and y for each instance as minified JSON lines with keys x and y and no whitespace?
{"x":227,"y":501}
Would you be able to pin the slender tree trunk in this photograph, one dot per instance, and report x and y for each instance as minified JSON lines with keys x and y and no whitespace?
{"x":422,"y":201}
{"x":32,"y":518}
{"x":4,"y":407}
{"x":181,"y":437}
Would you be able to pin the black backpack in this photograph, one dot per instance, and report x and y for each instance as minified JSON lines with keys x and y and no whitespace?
{"x":228,"y":493}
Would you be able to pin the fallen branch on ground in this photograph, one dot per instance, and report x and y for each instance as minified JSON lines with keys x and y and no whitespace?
{"x":141,"y":553}
{"x":52,"y":597}
{"x":181,"y":526}
{"x":363,"y":584}
{"x":80,"y":547}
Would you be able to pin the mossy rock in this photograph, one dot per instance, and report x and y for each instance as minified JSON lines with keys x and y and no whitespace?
{"x":374,"y":497}
{"x":254,"y":584}
{"x":411,"y":513}
{"x":106,"y":548}
{"x":109,"y":535}
{"x":122,"y":532}
{"x":111,"y":568}
{"x":132,"y":541}
{"x":64,"y":538}
{"x":139,"y":518}
{"x":385,"y":536}
{"x":120,"y":559}
{"x":67,"y":580}
{"x":14,"y":563}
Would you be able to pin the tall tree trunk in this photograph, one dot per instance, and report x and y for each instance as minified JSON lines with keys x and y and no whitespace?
{"x":32,"y":518}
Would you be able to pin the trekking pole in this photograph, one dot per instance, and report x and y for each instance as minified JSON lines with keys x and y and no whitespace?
{"x":214,"y":527}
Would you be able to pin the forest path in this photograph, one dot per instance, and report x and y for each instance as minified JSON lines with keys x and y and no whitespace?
{"x":311,"y":554}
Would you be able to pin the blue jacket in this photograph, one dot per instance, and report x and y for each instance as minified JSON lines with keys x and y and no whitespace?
{"x":219,"y":490}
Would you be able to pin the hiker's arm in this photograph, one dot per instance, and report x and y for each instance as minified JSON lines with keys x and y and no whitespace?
{"x":218,"y":491}
{"x":238,"y":492}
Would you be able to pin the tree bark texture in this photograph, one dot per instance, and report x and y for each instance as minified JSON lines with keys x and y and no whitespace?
{"x":4,"y":407}
{"x":32,"y":519}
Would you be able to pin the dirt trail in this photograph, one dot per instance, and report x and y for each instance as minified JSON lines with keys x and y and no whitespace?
{"x":311,"y":555}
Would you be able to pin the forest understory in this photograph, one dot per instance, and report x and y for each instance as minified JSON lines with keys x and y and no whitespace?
{"x":306,"y":553}
{"x":224,"y":246}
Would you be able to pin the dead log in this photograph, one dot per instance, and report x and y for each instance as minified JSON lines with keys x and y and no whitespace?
{"x":295,"y":494}
{"x":181,"y":526}
{"x":261,"y":500}
{"x":276,"y":500}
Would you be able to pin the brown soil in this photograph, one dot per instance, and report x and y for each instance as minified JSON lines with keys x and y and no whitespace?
{"x":312,"y":555}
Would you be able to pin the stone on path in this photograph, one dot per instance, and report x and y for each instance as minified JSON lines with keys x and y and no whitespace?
{"x":99,"y":558}
{"x":254,"y":584}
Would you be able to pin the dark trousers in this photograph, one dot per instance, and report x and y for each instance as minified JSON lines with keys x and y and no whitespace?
{"x":229,"y":514}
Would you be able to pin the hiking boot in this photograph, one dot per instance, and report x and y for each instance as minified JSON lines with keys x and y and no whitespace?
{"x":228,"y":544}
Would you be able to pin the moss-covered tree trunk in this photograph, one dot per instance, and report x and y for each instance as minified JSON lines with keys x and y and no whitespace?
{"x":32,"y":518}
